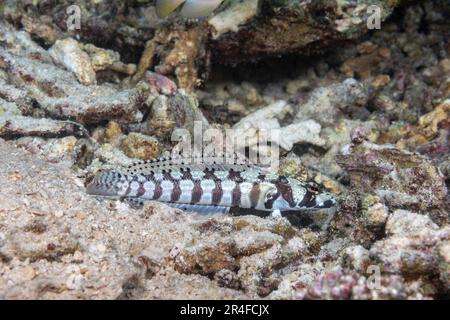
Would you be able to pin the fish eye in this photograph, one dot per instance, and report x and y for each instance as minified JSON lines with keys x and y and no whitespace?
{"x":271,"y":195}
{"x":283,"y":180}
{"x":313,"y":187}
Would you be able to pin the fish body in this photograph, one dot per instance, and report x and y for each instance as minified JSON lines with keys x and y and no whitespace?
{"x":209,"y":187}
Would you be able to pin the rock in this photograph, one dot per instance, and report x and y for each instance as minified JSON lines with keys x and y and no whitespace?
{"x":276,"y":110}
{"x":401,"y":178}
{"x":444,"y":263}
{"x":292,"y":167}
{"x":253,"y":249}
{"x":375,"y":215}
{"x":167,"y":113}
{"x":58,"y":93}
{"x":364,"y":65}
{"x":163,"y":84}
{"x":341,"y":285}
{"x":102,"y":59}
{"x":14,"y":101}
{"x":41,"y":28}
{"x":406,"y":222}
{"x":9,"y":108}
{"x":264,"y":124}
{"x":351,"y":220}
{"x":181,"y":59}
{"x":294,"y":32}
{"x":380,"y":81}
{"x":298,"y":85}
{"x":356,"y":258}
{"x":329,"y":183}
{"x":227,"y":278}
{"x":409,"y":250}
{"x":21,"y":43}
{"x":68,"y":53}
{"x":300,"y":132}
{"x":326,"y":104}
{"x":107,"y":156}
{"x":429,"y":137}
{"x":34,"y":80}
{"x":246,"y":93}
{"x":113,"y":132}
{"x":230,"y":20}
{"x":19,"y":126}
{"x":336,"y":137}
{"x":434,"y":119}
{"x":54,"y":150}
{"x":137,"y":145}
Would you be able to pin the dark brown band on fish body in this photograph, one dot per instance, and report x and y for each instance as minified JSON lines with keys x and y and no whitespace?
{"x":176,"y":192}
{"x":309,"y":200}
{"x":197,"y":192}
{"x":217,"y":192}
{"x":236,"y":196}
{"x":157,"y":193}
{"x":254,"y":195}
{"x":141,"y":190}
{"x":286,"y":192}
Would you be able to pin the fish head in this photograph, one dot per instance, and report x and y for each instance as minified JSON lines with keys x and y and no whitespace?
{"x":310,"y":196}
{"x":290,"y":194}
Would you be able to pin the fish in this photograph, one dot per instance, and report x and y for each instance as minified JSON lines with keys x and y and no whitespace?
{"x":212,"y":186}
{"x":192,"y":9}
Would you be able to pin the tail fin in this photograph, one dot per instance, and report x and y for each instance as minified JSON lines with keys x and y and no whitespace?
{"x":105,"y":183}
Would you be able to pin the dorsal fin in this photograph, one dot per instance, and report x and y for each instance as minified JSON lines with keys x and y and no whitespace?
{"x":200,"y":163}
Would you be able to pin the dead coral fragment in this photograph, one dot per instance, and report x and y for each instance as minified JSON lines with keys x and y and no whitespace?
{"x":399,"y":177}
{"x":429,"y":137}
{"x":410,"y":249}
{"x":137,"y":145}
{"x":103,"y":59}
{"x":19,"y":126}
{"x":68,"y":53}
{"x":326,"y":104}
{"x":183,"y":57}
{"x":177,"y":111}
{"x":60,"y":95}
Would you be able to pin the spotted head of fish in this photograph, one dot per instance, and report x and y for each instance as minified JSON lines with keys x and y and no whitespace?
{"x":290,"y":194}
